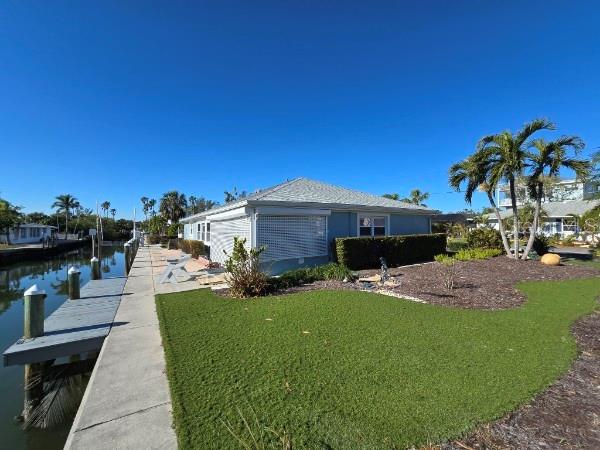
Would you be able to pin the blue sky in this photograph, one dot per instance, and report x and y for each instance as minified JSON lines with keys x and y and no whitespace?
{"x":116,"y":100}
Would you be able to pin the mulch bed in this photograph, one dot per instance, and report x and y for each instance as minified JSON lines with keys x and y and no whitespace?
{"x":484,"y":284}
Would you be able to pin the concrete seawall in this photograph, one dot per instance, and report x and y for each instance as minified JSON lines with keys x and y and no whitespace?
{"x":127,"y":403}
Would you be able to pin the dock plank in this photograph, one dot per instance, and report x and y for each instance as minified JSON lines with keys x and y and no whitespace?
{"x":77,"y":326}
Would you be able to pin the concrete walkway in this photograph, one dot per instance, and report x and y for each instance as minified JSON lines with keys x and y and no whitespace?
{"x":127,"y":403}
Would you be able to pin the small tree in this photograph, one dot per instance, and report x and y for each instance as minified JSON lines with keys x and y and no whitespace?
{"x":244,"y":276}
{"x":10,"y":216}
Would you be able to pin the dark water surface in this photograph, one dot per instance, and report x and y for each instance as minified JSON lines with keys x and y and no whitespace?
{"x":50,"y":275}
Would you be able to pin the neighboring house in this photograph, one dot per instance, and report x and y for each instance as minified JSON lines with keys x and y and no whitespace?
{"x":562,"y":201}
{"x":297,"y":221}
{"x":559,"y":217}
{"x":560,"y":191}
{"x":28,"y":233}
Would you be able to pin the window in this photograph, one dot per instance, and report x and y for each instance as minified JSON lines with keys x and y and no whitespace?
{"x":23,"y":233}
{"x":34,"y":232}
{"x":207,"y":236}
{"x":371,"y":226}
{"x":199,"y":232}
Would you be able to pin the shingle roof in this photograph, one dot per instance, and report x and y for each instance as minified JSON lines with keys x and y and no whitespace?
{"x":306,"y":191}
{"x":559,"y":209}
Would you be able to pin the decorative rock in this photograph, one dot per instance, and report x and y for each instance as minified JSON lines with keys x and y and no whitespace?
{"x":550,"y":259}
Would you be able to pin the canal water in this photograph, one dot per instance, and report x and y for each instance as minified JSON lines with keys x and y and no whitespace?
{"x":50,"y":275}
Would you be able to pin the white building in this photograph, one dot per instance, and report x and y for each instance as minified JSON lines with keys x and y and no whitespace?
{"x":29,"y":233}
{"x":565,"y":200}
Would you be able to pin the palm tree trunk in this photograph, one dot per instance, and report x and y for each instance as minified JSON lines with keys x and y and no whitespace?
{"x":513,"y":201}
{"x":66,"y":223}
{"x":500,"y":224}
{"x":536,"y":219}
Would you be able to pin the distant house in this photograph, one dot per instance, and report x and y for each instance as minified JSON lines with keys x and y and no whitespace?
{"x":563,"y":201}
{"x":559,"y":218}
{"x":297,"y":221}
{"x":28,"y":233}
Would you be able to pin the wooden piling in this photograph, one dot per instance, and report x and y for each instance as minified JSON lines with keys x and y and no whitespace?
{"x":34,"y":312}
{"x":33,"y":327}
{"x":127,"y":247}
{"x":95,"y":263}
{"x":74,"y":275}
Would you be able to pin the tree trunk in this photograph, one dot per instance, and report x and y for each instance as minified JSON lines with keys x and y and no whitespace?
{"x":500,"y":224}
{"x":66,"y":224}
{"x":536,"y":219}
{"x":513,"y":201}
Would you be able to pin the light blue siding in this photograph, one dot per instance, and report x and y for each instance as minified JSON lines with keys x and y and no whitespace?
{"x":409,"y":224}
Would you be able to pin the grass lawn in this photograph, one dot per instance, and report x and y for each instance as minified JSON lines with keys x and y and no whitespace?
{"x":331,"y":369}
{"x":593,"y":263}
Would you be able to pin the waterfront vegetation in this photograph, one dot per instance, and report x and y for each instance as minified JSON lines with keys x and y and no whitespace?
{"x":350,"y":369}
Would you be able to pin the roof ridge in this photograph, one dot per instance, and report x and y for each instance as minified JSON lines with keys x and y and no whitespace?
{"x":276,"y":188}
{"x":412,"y":205}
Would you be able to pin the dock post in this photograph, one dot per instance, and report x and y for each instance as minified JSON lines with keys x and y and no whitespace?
{"x":33,"y":327}
{"x":34,"y":312}
{"x":95,"y":263}
{"x":127,"y":257}
{"x":74,"y":274}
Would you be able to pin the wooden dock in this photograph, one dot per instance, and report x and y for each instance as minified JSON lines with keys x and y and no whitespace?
{"x":77,"y":326}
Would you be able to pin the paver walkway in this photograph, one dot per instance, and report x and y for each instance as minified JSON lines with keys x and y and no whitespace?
{"x":127,"y":403}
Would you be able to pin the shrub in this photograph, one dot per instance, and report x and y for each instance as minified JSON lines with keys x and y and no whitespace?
{"x":541,"y":244}
{"x":244,"y":276}
{"x":455,"y":244}
{"x":484,"y":238}
{"x":297,"y":277}
{"x":172,"y":230}
{"x":194,"y":248}
{"x":470,"y":254}
{"x":153,"y":239}
{"x":364,"y":252}
{"x":447,"y":270}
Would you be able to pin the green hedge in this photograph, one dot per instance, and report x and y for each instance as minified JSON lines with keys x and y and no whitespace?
{"x":194,"y":248}
{"x":364,"y":252}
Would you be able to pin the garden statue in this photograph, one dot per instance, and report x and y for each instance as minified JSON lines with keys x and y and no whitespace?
{"x":385,"y":276}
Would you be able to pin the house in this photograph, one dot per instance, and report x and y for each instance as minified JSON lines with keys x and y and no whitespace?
{"x":29,"y":233}
{"x":558,"y":218}
{"x":564,"y":200}
{"x":297,"y":221}
{"x":559,"y":191}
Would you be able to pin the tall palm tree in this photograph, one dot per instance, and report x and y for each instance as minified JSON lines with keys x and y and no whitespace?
{"x":505,"y":155}
{"x":105,"y":207}
{"x":545,"y":162}
{"x":145,"y":207}
{"x":64,"y":204}
{"x":113,"y":213}
{"x":416,"y":197}
{"x":474,"y":172}
{"x":173,"y":206}
{"x":151,"y":205}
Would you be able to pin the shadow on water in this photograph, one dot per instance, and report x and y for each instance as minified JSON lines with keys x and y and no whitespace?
{"x":65,"y":382}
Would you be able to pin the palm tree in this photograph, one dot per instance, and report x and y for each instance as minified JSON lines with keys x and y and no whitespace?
{"x":416,"y":197}
{"x":64,"y":204}
{"x":105,"y":207}
{"x":474,"y":172}
{"x":173,"y":205}
{"x":113,"y":213}
{"x":505,"y":155}
{"x":145,"y":207}
{"x":151,"y":205}
{"x":545,"y":163}
{"x":392,"y":196}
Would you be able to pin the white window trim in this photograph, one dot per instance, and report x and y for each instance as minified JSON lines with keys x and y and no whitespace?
{"x":373,"y":215}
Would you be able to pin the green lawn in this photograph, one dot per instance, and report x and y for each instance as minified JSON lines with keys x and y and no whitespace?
{"x":593,"y":263}
{"x":358,"y":370}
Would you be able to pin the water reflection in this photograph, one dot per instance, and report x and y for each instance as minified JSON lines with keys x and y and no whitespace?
{"x":50,"y":275}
